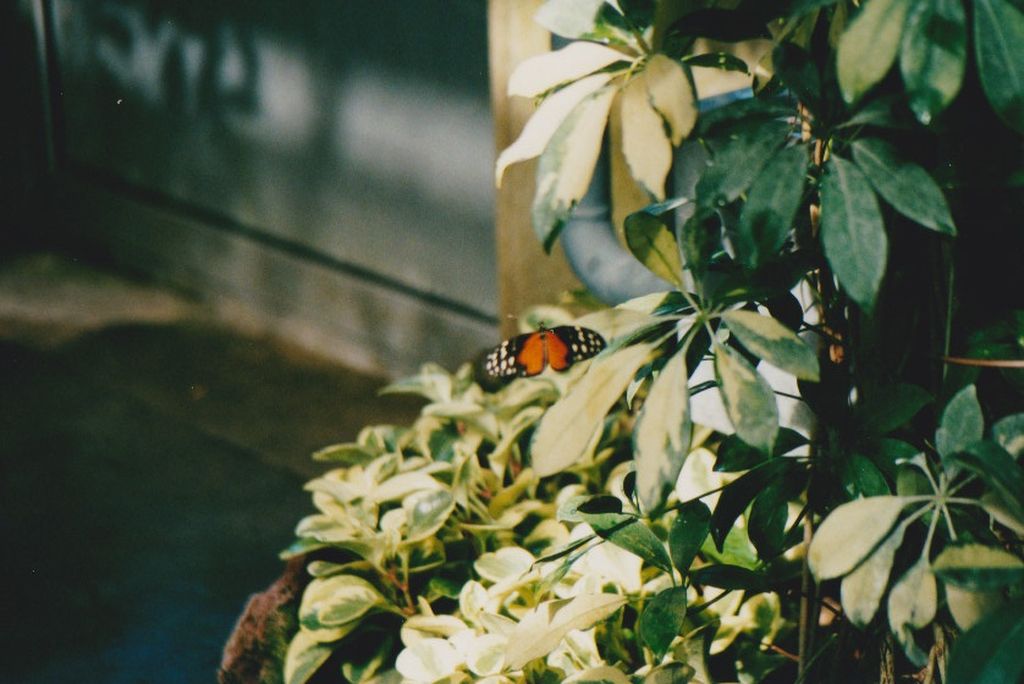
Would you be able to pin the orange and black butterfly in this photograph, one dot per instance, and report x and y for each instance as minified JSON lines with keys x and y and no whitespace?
{"x":556,"y":348}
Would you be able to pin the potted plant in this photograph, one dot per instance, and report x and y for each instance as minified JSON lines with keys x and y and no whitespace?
{"x":841,"y":292}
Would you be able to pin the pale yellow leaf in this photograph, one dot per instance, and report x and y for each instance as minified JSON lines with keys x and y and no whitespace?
{"x":850,"y":533}
{"x":644,"y":144}
{"x":662,"y":436}
{"x":541,"y":630}
{"x":541,"y":73}
{"x":969,"y":607}
{"x":914,"y":598}
{"x":862,"y":590}
{"x":568,"y":428}
{"x":304,"y":657}
{"x":538,"y":131}
{"x":671,"y":95}
{"x":567,"y":164}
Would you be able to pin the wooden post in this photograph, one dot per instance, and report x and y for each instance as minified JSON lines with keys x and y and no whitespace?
{"x":526,"y":275}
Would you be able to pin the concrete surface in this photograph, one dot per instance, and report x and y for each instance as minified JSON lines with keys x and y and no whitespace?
{"x":152,"y":462}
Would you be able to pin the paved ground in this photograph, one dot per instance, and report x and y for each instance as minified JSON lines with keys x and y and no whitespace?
{"x":151,"y":463}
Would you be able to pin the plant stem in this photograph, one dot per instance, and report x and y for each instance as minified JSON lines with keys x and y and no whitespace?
{"x":807,"y":600}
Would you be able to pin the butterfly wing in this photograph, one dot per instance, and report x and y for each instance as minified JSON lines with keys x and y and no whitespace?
{"x":502,"y":361}
{"x":580,"y":343}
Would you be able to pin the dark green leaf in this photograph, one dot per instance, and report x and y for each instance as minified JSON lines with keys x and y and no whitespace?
{"x":663,"y":619}
{"x":962,"y":423}
{"x":700,"y":238}
{"x":748,"y":398}
{"x":766,"y":525}
{"x":631,"y":534}
{"x":601,"y":504}
{"x":729,"y":577}
{"x":852,"y":233}
{"x":799,"y":73}
{"x":883,"y":112}
{"x":737,"y":160}
{"x":932,"y":56}
{"x":990,"y":652}
{"x":804,"y":6}
{"x":904,"y":185}
{"x":720,"y":24}
{"x":890,"y":453}
{"x":738,"y":494}
{"x":999,"y":50}
{"x":890,"y":408}
{"x":687,"y":534}
{"x":734,"y":454}
{"x":861,"y":477}
{"x":653,"y":242}
{"x":717,"y":60}
{"x":996,"y":468}
{"x":771,"y":206}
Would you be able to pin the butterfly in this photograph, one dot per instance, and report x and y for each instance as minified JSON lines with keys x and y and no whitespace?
{"x":529,"y":354}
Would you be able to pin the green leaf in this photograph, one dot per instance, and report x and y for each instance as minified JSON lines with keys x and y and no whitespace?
{"x":904,"y":185}
{"x":890,"y":407}
{"x":631,"y":534}
{"x":699,"y":238}
{"x":978,"y":567}
{"x":734,"y":454}
{"x":961,"y":425}
{"x":852,"y":232}
{"x":1009,"y":433}
{"x":729,"y":577}
{"x":912,"y":603}
{"x":305,"y":656}
{"x":850,"y":533}
{"x":567,"y":163}
{"x":990,"y":652}
{"x":861,"y":477}
{"x":773,"y":342}
{"x":861,"y":591}
{"x":687,"y":534}
{"x":748,"y":398}
{"x":766,"y":524}
{"x":798,"y":72}
{"x":932,"y":56}
{"x":737,"y":160}
{"x":999,"y":50}
{"x":738,"y":494}
{"x":661,"y":439}
{"x":717,"y":60}
{"x":567,"y":431}
{"x":653,"y":243}
{"x":998,"y":470}
{"x":663,"y":619}
{"x":868,"y":46}
{"x":771,"y":206}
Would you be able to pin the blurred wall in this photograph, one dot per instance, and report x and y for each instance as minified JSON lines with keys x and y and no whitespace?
{"x":322,"y":166}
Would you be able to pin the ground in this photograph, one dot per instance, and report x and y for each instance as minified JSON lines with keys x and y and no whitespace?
{"x":152,"y":459}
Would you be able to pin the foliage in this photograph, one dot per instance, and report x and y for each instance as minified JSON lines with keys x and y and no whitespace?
{"x":668,"y":511}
